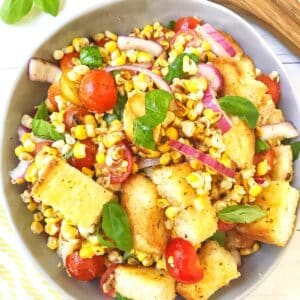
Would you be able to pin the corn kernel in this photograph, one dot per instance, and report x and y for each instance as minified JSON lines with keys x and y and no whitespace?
{"x":192,"y":115}
{"x":205,"y":46}
{"x":79,"y":150}
{"x":195,"y":164}
{"x":81,"y":69}
{"x":50,"y":150}
{"x":147,"y":262}
{"x":98,"y":250}
{"x":172,"y":133}
{"x":19,"y":150}
{"x":51,"y":229}
{"x":162,"y":202}
{"x":250,"y":250}
{"x":165,"y":159}
{"x":58,"y":54}
{"x":38,"y":217}
{"x":110,"y":46}
{"x":100,"y":158}
{"x":176,"y":156}
{"x":171,"y":212}
{"x":164,"y":147}
{"x":144,"y":57}
{"x":68,"y":49}
{"x":90,"y":120}
{"x":98,"y":37}
{"x":32,"y":206}
{"x":262,"y":168}
{"x":188,"y":128}
{"x":141,"y":255}
{"x":49,"y":212}
{"x":195,"y":179}
{"x":255,"y":190}
{"x":161,"y":264}
{"x":79,"y":43}
{"x":70,"y":232}
{"x":115,"y":125}
{"x":31,"y":174}
{"x":26,"y":121}
{"x":87,"y":171}
{"x":131,"y":54}
{"x":112,"y":139}
{"x":86,"y":252}
{"x":79,"y":132}
{"x":111,"y":35}
{"x":140,"y":82}
{"x":225,"y":160}
{"x":52,"y":243}
{"x":36,"y":227}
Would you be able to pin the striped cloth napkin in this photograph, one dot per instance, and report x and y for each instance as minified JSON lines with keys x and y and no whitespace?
{"x":18,"y":278}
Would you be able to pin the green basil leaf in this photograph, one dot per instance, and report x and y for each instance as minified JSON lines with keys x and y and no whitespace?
{"x":156,"y":107}
{"x":261,"y":146}
{"x":219,"y":236}
{"x":295,"y":149}
{"x":45,"y":130}
{"x":242,"y":108}
{"x":115,"y":225}
{"x":49,"y":6}
{"x":42,"y":112}
{"x":176,"y":67}
{"x":241,"y":213}
{"x":119,"y":108}
{"x":120,"y":297}
{"x":13,"y":11}
{"x":171,"y":25}
{"x":104,"y":242}
{"x":90,"y":56}
{"x":108,"y":118}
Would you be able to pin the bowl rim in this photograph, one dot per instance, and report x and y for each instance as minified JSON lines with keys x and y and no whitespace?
{"x":20,"y":241}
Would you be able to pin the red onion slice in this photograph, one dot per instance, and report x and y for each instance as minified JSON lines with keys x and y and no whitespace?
{"x":212,"y":75}
{"x":148,"y":162}
{"x":284,"y":130}
{"x":156,"y":79}
{"x":130,"y":42}
{"x":19,"y":171}
{"x":220,"y":46}
{"x":209,"y":101}
{"x":203,"y":157}
{"x":42,"y":70}
{"x":22,"y":130}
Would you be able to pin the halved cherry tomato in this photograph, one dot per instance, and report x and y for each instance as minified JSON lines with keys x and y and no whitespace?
{"x":97,"y":91}
{"x":90,"y":156}
{"x":223,"y":226}
{"x":272,"y":85}
{"x":183,"y":262}
{"x":107,"y":282}
{"x":54,"y":90}
{"x":84,"y":269}
{"x":39,"y":146}
{"x":115,"y":174}
{"x":186,"y":22}
{"x":66,"y":62}
{"x":74,"y":116}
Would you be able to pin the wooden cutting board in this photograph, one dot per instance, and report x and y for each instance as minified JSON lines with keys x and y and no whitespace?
{"x":282,"y":15}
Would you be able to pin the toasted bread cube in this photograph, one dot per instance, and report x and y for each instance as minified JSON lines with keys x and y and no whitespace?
{"x":139,"y":198}
{"x":240,"y":144}
{"x":140,"y":283}
{"x":172,"y":185}
{"x":78,"y":197}
{"x":279,"y":200}
{"x":196,"y":225}
{"x":219,"y":269}
{"x":282,"y":168}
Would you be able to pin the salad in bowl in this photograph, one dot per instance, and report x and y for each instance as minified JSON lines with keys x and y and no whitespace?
{"x":157,"y":160}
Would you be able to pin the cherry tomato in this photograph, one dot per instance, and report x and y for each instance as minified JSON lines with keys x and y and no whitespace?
{"x":74,"y":116}
{"x":183,"y":262}
{"x":106,"y":282}
{"x":97,"y":91}
{"x":90,"y":156}
{"x":186,"y":22}
{"x":269,"y":155}
{"x":102,"y":42}
{"x":84,"y":269}
{"x":272,"y":85}
{"x":117,"y":176}
{"x":223,"y":226}
{"x":54,"y":90}
{"x":39,"y":146}
{"x":66,"y":62}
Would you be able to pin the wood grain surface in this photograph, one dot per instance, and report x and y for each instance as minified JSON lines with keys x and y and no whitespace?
{"x":282,"y":15}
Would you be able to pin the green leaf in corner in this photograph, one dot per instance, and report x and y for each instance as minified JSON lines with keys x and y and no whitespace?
{"x":176,"y":67}
{"x":91,"y":56}
{"x":119,"y":108}
{"x":171,"y":25}
{"x":42,"y":112}
{"x":13,"y":11}
{"x":295,"y":149}
{"x":49,"y":6}
{"x":242,"y":108}
{"x":120,"y":297}
{"x":241,"y":213}
{"x":261,"y":146}
{"x":219,"y":236}
{"x":45,"y":130}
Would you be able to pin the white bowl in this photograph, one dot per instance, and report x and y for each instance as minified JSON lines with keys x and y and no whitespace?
{"x":121,"y":17}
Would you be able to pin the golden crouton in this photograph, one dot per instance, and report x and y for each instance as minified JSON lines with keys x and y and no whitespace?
{"x":279,"y":200}
{"x":239,"y":78}
{"x":219,"y":269}
{"x":282,"y":168}
{"x":196,"y":225}
{"x":139,"y":198}
{"x":139,"y":283}
{"x":78,"y":197}
{"x":240,"y":144}
{"x":172,"y":185}
{"x":134,"y":108}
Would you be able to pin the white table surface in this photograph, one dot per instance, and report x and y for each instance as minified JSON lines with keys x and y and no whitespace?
{"x":18,"y":41}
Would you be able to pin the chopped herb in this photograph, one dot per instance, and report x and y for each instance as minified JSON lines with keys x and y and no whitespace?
{"x":90,"y":56}
{"x":171,"y":25}
{"x":219,"y":236}
{"x":261,"y":146}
